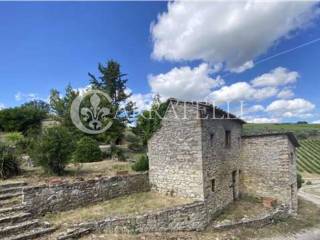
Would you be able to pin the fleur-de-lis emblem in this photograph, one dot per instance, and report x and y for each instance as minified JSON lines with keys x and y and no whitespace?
{"x":94,"y":114}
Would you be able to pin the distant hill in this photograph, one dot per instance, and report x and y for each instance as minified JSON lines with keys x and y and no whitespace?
{"x":302,"y":131}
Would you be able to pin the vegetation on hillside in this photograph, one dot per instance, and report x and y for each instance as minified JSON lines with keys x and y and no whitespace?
{"x":302,"y":131}
{"x":309,"y":156}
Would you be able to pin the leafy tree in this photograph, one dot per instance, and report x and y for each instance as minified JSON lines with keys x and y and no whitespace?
{"x":113,"y":82}
{"x":8,"y":162}
{"x":21,"y":119}
{"x":38,"y":104}
{"x":87,"y":150}
{"x":53,"y":150}
{"x":149,"y":122}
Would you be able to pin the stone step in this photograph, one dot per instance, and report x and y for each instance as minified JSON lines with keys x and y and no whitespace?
{"x":11,"y":190}
{"x":14,"y":218}
{"x":10,"y":195}
{"x":32,"y":234}
{"x":18,"y":228}
{"x":12,"y":185}
{"x":10,"y":202}
{"x":75,"y":233}
{"x":12,"y":209}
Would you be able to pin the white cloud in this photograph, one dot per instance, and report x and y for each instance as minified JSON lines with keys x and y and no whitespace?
{"x":255,"y":108}
{"x":25,"y":96}
{"x":142,"y":101}
{"x":263,"y":120}
{"x":233,"y":33}
{"x":2,"y":106}
{"x":297,"y":107}
{"x":244,"y":67}
{"x":241,"y":91}
{"x":185,"y":83}
{"x":277,"y":77}
{"x":316,"y":122}
{"x":285,"y":93}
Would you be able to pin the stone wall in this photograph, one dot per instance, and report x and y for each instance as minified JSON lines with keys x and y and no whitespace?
{"x":66,"y":196}
{"x":219,"y":161}
{"x":175,"y":155}
{"x":189,"y":217}
{"x":268,"y":168}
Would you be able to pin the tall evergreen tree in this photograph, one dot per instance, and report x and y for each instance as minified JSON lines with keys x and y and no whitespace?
{"x":113,"y":82}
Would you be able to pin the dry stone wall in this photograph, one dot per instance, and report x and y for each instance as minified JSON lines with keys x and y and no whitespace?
{"x":268,"y":168}
{"x":175,"y":155}
{"x":189,"y":217}
{"x":66,"y":196}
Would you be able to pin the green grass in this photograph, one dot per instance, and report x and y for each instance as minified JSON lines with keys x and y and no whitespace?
{"x":309,"y":156}
{"x":302,"y":131}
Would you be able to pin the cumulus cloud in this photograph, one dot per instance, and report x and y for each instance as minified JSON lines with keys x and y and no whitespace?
{"x":263,"y":120}
{"x":19,"y":96}
{"x":244,"y":67}
{"x":185,"y":83}
{"x":277,"y":77}
{"x":234,"y":33}
{"x":241,"y":91}
{"x":142,"y":101}
{"x":297,"y":107}
{"x":285,"y":93}
{"x":255,"y":108}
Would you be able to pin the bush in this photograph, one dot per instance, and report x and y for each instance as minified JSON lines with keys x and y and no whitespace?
{"x":53,"y":150}
{"x":87,"y":150}
{"x":12,"y":138}
{"x":8,"y":162}
{"x":142,"y":164}
{"x":309,"y":183}
{"x":300,"y":180}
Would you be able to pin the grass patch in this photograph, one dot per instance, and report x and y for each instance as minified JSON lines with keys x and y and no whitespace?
{"x":127,"y":205}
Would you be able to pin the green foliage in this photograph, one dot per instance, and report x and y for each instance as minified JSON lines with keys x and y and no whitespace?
{"x":302,"y":131}
{"x":53,"y":150}
{"x":150,"y":121}
{"x":87,"y":150}
{"x":308,"y":156}
{"x":21,"y":119}
{"x":300,"y":180}
{"x":141,"y":165}
{"x":12,"y":138}
{"x":118,"y":152}
{"x":134,"y":143}
{"x":113,"y":82}
{"x":308,"y":183}
{"x":8,"y":162}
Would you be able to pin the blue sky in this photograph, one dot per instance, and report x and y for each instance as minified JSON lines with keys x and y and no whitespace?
{"x":194,"y":52}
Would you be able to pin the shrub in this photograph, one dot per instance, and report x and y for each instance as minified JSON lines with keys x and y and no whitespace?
{"x":8,"y":162}
{"x":87,"y":150}
{"x":300,"y":180}
{"x":53,"y":150}
{"x":309,"y":183}
{"x":142,"y":164}
{"x":12,"y":138}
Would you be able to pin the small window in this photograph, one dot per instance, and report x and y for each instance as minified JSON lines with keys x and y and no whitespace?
{"x":211,"y":139}
{"x":227,"y":138}
{"x":213,"y":185}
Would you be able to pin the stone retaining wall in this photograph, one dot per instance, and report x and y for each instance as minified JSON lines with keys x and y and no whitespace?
{"x":66,"y":196}
{"x":189,"y":217}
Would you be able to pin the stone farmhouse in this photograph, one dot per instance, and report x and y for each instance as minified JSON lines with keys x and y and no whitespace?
{"x":199,"y":152}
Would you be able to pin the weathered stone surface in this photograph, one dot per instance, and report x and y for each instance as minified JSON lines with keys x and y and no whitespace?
{"x":268,"y":168}
{"x":189,"y":217}
{"x":66,"y":196}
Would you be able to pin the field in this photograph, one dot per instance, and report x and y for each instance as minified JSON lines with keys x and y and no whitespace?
{"x":309,"y":139}
{"x":309,"y":156}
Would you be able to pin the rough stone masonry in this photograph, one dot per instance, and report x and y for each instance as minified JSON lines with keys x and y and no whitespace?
{"x":199,"y":152}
